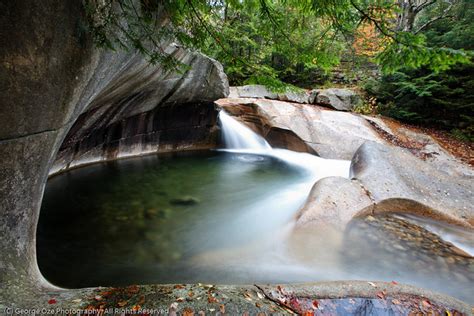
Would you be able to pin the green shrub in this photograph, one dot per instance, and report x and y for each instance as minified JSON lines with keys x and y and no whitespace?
{"x":444,"y":100}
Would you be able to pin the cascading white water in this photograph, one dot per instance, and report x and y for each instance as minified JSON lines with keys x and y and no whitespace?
{"x":238,"y":138}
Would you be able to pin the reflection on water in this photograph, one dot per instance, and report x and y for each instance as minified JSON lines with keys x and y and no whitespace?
{"x":120,"y":222}
{"x":219,"y":217}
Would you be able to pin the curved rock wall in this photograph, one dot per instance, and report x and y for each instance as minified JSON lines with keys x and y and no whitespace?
{"x":51,"y":76}
{"x":145,"y":109}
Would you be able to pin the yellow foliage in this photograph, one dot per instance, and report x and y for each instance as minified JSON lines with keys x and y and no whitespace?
{"x":367,"y":41}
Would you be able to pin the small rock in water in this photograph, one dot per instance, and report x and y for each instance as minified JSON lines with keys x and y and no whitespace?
{"x":185,"y":200}
{"x":150,"y":213}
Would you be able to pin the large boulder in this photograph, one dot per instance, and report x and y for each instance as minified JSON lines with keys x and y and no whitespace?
{"x":262,"y":92}
{"x":252,"y":91}
{"x":339,"y":99}
{"x":388,"y":179}
{"x":397,"y":181}
{"x":333,"y":201}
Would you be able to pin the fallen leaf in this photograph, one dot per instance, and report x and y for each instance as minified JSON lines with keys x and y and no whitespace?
{"x":394,"y":282}
{"x":248,"y":297}
{"x":180,"y":299}
{"x":188,"y":312}
{"x":133,"y":289}
{"x":190,"y":293}
{"x":179,"y":286}
{"x":52,"y":301}
{"x":222,"y":308}
{"x":372,"y":283}
{"x":426,"y":303}
{"x":260,"y":295}
{"x":211,"y":299}
{"x":315,"y":304}
{"x":381,"y":295}
{"x":136,"y":308}
{"x":258,"y":305}
{"x":396,"y":302}
{"x":78,"y":300}
{"x":142,"y":300}
{"x":308,"y":313}
{"x":98,"y":298}
{"x":294,"y":302}
{"x":122,"y":303}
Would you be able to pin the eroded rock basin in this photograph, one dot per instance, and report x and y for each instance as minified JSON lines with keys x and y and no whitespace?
{"x":225,"y":218}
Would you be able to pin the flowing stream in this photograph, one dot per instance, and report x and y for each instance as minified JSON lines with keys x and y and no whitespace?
{"x":222,"y":217}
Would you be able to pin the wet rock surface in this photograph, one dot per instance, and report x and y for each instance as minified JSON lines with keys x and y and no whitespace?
{"x":398,"y":181}
{"x":391,"y":241}
{"x":326,"y":298}
{"x":333,"y":201}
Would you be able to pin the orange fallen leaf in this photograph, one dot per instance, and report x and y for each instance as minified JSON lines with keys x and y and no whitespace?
{"x":136,"y":308}
{"x":122,"y":303}
{"x":133,"y":289}
{"x":381,"y":295}
{"x":308,"y":313}
{"x":396,"y":302}
{"x":211,"y":299}
{"x":179,"y":286}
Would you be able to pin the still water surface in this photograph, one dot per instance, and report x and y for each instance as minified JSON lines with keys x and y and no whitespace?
{"x":217,"y":217}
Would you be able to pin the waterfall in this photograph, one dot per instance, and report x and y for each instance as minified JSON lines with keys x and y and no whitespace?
{"x":238,"y":138}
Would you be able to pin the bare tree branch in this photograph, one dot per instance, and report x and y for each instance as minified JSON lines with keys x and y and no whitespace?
{"x":424,"y":5}
{"x":443,"y":15}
